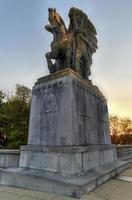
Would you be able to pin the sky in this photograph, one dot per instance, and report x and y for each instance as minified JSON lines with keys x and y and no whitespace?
{"x":24,"y":42}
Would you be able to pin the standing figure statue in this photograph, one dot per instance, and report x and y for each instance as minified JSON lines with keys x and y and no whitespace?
{"x":72,"y":47}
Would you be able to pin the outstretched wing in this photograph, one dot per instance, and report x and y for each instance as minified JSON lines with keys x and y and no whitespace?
{"x":91,"y":33}
{"x":91,"y":26}
{"x":86,"y":26}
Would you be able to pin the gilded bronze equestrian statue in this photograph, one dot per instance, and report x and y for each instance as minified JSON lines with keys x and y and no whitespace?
{"x":71,"y":47}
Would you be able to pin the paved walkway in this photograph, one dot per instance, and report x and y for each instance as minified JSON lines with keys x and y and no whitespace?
{"x":114,"y":189}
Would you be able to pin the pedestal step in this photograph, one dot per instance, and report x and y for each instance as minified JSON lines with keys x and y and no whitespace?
{"x":51,"y":182}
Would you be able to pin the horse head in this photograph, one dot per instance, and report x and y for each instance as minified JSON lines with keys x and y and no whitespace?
{"x":56,"y":20}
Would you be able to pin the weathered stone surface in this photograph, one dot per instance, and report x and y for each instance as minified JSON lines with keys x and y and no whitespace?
{"x":68,"y":160}
{"x":9,"y":158}
{"x":40,"y":161}
{"x":90,"y":160}
{"x":52,"y":108}
{"x":24,"y":157}
{"x":70,"y":164}
{"x":67,"y":149}
{"x":107,"y":156}
{"x":68,"y":111}
{"x":124,"y":152}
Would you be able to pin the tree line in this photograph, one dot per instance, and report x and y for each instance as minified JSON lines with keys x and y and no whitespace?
{"x":14,"y":120}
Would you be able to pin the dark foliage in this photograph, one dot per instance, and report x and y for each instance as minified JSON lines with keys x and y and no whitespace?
{"x":14,"y":118}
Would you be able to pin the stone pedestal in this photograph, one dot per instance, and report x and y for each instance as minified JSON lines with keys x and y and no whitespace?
{"x":67,"y":110}
{"x":69,"y":128}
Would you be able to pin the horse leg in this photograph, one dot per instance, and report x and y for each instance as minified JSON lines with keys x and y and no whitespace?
{"x":48,"y":58}
{"x":51,"y":66}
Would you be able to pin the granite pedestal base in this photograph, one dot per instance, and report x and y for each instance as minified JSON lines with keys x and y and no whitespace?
{"x":66,"y":161}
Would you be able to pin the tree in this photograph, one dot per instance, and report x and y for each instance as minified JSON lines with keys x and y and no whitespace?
{"x":2,"y":97}
{"x":115,"y":128}
{"x":14,"y":115}
{"x":126,"y":125}
{"x":23,"y":93}
{"x":121,"y":129}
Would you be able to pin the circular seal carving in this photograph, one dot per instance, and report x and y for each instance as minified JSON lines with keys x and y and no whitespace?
{"x":50,"y":102}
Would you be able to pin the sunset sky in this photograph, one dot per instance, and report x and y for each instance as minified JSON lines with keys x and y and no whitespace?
{"x":24,"y":42}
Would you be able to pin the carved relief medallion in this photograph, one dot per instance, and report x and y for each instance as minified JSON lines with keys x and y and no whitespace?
{"x":49,"y":102}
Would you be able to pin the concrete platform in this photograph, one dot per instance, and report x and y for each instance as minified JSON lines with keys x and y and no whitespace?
{"x":51,"y":182}
{"x":111,"y":190}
